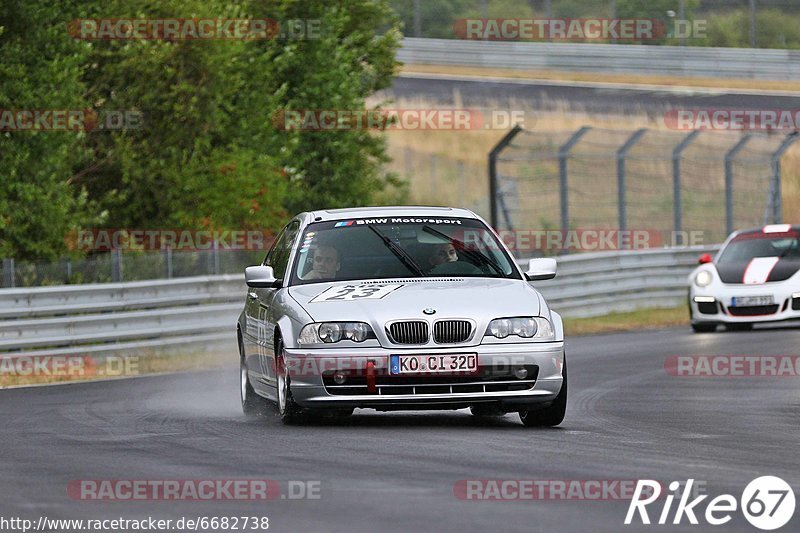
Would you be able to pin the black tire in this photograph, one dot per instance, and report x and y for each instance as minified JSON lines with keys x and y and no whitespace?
{"x":288,"y":410}
{"x":704,"y":328}
{"x":253,"y":405}
{"x":553,"y":414}
{"x":739,"y":326}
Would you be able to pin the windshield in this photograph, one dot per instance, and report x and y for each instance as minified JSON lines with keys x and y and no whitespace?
{"x":396,"y":247}
{"x":748,"y":247}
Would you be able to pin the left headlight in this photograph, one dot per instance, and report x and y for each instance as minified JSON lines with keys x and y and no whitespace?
{"x":703,"y":278}
{"x":330,"y":332}
{"x":524,"y":327}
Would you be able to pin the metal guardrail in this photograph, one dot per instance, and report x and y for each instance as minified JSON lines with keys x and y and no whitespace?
{"x":683,"y":61}
{"x":200,"y":312}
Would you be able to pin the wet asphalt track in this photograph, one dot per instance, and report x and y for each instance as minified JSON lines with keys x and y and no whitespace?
{"x":626,"y":419}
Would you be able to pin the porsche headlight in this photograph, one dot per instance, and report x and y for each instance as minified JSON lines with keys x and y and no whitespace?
{"x":525,"y":327}
{"x":331,"y":332}
{"x":703,"y":278}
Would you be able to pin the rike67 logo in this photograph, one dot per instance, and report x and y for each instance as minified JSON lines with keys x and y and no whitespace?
{"x":767,"y":503}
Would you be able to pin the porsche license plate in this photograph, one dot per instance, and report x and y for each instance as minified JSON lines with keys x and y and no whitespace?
{"x":434,"y":364}
{"x":748,"y":301}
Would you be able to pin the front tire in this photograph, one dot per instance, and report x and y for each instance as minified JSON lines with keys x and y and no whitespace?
{"x":553,"y":414}
{"x":253,"y":405}
{"x":288,"y":410}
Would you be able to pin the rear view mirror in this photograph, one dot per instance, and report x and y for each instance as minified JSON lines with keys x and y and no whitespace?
{"x":541,"y":269}
{"x":259,"y":277}
{"x":705,"y":258}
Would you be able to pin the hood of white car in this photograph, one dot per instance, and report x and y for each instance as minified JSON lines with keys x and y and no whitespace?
{"x":377,"y":302}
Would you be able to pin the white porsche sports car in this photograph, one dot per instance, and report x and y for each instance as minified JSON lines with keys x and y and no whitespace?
{"x":755,"y":277}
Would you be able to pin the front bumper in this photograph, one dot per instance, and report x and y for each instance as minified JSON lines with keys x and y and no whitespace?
{"x":310,"y":372}
{"x":715,"y":306}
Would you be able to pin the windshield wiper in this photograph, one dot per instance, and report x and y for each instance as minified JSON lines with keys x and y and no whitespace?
{"x":474,"y":254}
{"x":399,"y":252}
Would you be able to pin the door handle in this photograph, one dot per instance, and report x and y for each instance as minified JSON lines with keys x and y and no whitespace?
{"x":252,"y":295}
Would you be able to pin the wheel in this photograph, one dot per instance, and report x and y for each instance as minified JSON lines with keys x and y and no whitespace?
{"x":553,"y":414}
{"x":704,"y":328}
{"x":252,"y":403}
{"x":288,"y":411}
{"x":739,"y":326}
{"x":485,"y":410}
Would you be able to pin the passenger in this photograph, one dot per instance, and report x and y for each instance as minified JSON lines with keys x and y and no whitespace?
{"x":326,"y":263}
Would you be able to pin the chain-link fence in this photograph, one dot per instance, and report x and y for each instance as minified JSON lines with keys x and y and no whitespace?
{"x":711,"y":182}
{"x":128,"y":266}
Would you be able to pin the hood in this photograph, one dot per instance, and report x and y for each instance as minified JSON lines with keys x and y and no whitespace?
{"x":481,"y":299}
{"x":758,"y":271}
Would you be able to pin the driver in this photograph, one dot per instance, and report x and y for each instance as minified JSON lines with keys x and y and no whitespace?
{"x":441,"y":254}
{"x":326,"y":263}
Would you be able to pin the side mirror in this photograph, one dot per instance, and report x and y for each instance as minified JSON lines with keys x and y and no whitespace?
{"x":705,"y":258}
{"x":260,"y":277}
{"x":541,"y":269}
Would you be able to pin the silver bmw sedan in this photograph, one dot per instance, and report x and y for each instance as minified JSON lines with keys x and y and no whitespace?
{"x":392,"y":308}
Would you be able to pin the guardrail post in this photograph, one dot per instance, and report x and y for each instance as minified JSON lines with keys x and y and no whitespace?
{"x":167,"y":261}
{"x":729,"y":157}
{"x":67,"y":266}
{"x":677,"y":199}
{"x":563,"y":175}
{"x":8,"y":273}
{"x":775,"y":185}
{"x":493,"y":155}
{"x":116,"y":265}
{"x":621,"y":154}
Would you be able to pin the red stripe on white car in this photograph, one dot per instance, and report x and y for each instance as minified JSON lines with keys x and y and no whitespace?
{"x":759,"y":269}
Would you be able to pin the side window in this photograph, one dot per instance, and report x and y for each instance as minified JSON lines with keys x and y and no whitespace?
{"x":277,"y":243}
{"x":278,"y":257}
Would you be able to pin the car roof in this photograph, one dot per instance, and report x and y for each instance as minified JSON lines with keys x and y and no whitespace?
{"x":384,"y":211}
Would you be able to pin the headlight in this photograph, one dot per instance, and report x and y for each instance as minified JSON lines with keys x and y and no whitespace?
{"x":330,"y":332}
{"x":525,"y":327}
{"x":703,"y":278}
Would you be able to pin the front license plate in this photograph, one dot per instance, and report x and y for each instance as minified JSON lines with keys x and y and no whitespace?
{"x":748,"y":301}
{"x":434,"y":364}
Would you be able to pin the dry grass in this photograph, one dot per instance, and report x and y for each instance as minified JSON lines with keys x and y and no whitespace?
{"x":630,"y":321}
{"x":632,"y":79}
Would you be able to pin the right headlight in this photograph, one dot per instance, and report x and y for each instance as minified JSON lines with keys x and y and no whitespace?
{"x":524,"y":327}
{"x":703,"y":278}
{"x":330,"y":332}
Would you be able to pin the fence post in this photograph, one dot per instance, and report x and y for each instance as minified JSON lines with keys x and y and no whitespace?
{"x":493,"y":155}
{"x":116,"y":265}
{"x":8,"y":273}
{"x":66,"y":263}
{"x":168,"y":261}
{"x":462,"y":185}
{"x":676,"y":185}
{"x":433,"y":178}
{"x":775,"y":184}
{"x":729,"y":157}
{"x":563,"y":176}
{"x":215,"y":256}
{"x":621,"y":154}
